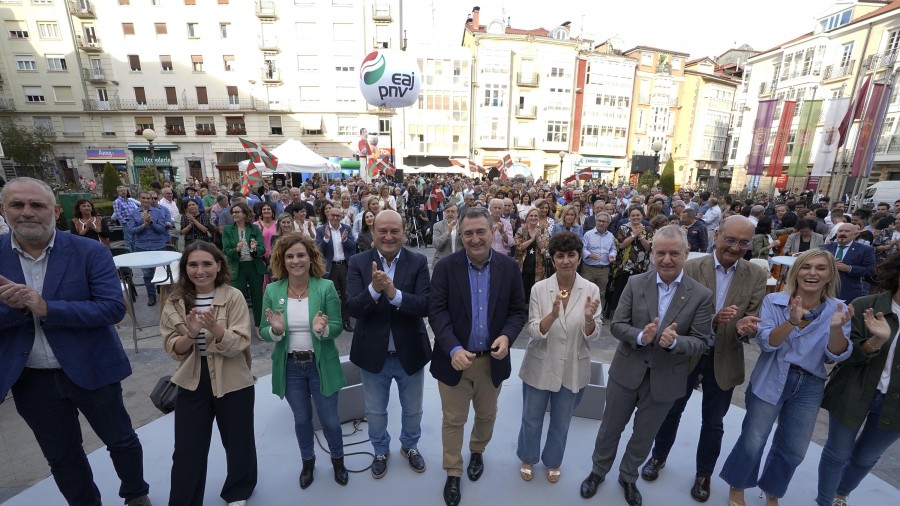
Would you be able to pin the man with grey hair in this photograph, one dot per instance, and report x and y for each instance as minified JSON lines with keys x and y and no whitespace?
{"x":756,"y":212}
{"x":698,"y":240}
{"x":599,"y":253}
{"x":501,"y":230}
{"x":60,"y":298}
{"x":663,"y":319}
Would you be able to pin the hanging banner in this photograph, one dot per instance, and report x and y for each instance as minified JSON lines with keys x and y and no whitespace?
{"x":776,"y":161}
{"x":782,"y":181}
{"x":809,"y":116}
{"x":812,"y":183}
{"x":828,"y":145}
{"x":760,"y":141}
{"x":872,"y":116}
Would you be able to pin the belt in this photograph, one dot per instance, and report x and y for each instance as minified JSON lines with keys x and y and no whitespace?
{"x":302,"y":356}
{"x":479,"y":353}
{"x":338,"y":262}
{"x":800,"y":369}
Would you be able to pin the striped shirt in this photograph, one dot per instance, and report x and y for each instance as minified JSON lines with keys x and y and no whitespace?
{"x":203,"y":302}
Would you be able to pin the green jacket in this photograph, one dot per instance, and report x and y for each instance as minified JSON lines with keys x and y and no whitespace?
{"x":854,"y":381}
{"x":322,"y":297}
{"x":229,"y":247}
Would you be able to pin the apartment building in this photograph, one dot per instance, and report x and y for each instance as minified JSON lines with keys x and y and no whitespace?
{"x":199,"y":73}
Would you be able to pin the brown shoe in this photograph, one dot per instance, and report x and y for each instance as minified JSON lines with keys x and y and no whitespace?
{"x":700,"y":490}
{"x":651,"y":469}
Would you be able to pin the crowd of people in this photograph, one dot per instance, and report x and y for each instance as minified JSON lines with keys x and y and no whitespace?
{"x":559,"y":260}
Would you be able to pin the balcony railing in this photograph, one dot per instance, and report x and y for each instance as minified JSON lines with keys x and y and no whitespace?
{"x":271,"y":76}
{"x":885,"y":59}
{"x":381,"y":12}
{"x":265,"y":9}
{"x":664,"y":68}
{"x":835,"y":71}
{"x":526,"y":112}
{"x":888,"y":144}
{"x":528,"y":79}
{"x":82,"y":9}
{"x":523,"y":142}
{"x":764,"y":89}
{"x":88,"y":45}
{"x":205,"y":131}
{"x":175,"y":130}
{"x":214,"y":104}
{"x":7,"y":104}
{"x":269,"y":44}
{"x":93,"y":75}
{"x":235,"y":130}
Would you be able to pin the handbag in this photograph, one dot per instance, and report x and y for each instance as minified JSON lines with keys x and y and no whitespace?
{"x":164,"y":394}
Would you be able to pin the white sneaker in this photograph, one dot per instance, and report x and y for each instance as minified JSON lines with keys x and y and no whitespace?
{"x":238,"y":503}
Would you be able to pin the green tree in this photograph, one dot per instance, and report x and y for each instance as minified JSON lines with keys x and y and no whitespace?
{"x":646,"y":179}
{"x":147,"y":176}
{"x":110,"y":181}
{"x":26,"y":146}
{"x":667,"y":178}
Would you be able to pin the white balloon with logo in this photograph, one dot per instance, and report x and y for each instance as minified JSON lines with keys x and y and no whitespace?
{"x":389,"y":79}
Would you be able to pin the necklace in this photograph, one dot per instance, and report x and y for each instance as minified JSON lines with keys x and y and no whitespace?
{"x":299,"y":296}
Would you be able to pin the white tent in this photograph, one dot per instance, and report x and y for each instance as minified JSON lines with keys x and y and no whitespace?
{"x":431,"y":169}
{"x":294,"y":156}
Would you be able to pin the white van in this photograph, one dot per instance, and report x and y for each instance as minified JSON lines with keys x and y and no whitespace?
{"x":885,"y":191}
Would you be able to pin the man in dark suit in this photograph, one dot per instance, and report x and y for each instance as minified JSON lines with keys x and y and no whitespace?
{"x":663,"y":319}
{"x":59,"y":299}
{"x":738,"y":287}
{"x":336,"y":242}
{"x":388,"y":296}
{"x":477,"y":309}
{"x":855,"y":262}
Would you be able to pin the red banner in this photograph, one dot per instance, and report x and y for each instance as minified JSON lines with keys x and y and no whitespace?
{"x":865,"y":143}
{"x":812,"y":183}
{"x":776,"y":161}
{"x":781,"y":182}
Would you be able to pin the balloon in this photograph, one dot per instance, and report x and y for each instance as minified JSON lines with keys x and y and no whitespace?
{"x":389,"y":79}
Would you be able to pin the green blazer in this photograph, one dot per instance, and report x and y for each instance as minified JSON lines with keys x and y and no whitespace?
{"x":229,"y":247}
{"x":322,"y":297}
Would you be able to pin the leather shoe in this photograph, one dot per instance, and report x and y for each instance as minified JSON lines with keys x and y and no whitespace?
{"x":590,"y":484}
{"x":700,"y":490}
{"x":340,"y":472}
{"x":379,"y":466}
{"x":451,"y":491}
{"x":651,"y":469}
{"x":306,"y":474}
{"x":348,"y":327}
{"x":416,"y":461}
{"x":151,"y":301}
{"x":632,"y":495}
{"x":476,"y":466}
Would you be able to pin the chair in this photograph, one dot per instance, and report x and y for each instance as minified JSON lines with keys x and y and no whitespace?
{"x":764,"y":265}
{"x":162,"y":279}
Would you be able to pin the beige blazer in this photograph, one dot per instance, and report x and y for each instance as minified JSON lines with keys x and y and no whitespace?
{"x":228,"y":360}
{"x":561,"y":357}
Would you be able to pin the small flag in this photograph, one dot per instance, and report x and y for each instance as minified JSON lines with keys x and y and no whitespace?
{"x":380,"y":165}
{"x":505,"y":164}
{"x":476,"y":169}
{"x":259,"y":154}
{"x":245,"y":184}
{"x":585,"y":174}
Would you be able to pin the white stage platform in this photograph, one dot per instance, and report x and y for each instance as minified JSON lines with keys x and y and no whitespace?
{"x":279,"y":464}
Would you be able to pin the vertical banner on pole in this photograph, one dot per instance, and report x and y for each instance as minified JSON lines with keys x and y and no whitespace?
{"x":828,"y":146}
{"x":809,"y":116}
{"x":871,"y":117}
{"x":776,"y":161}
{"x":761,"y":129}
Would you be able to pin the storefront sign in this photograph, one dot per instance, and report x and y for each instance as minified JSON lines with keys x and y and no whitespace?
{"x":161,"y":158}
{"x":105,"y":153}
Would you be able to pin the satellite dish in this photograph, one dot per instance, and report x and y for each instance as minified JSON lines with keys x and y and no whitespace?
{"x":560,"y":33}
{"x":496,"y":27}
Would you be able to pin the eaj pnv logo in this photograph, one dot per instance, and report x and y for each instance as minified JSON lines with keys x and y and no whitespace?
{"x":372,"y":68}
{"x":388,"y":79}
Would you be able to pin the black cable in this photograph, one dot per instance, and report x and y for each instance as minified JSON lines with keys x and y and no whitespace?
{"x":356,"y":423}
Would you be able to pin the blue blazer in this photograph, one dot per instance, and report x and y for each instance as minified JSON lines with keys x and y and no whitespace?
{"x":861,"y":259}
{"x":450,"y":312}
{"x":328,"y":247}
{"x":376,"y":320}
{"x":84,"y":302}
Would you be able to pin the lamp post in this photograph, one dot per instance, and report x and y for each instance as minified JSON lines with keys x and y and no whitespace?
{"x":150,"y":135}
{"x":562,"y":156}
{"x":656,"y":147}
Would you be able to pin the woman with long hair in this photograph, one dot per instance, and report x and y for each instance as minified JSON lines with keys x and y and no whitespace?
{"x":283,"y":225}
{"x":267,"y":226}
{"x":544,"y":214}
{"x":364,"y":240}
{"x":524,"y":206}
{"x":568,"y":222}
{"x":324,"y":207}
{"x":204,"y":327}
{"x":532,"y":240}
{"x":765,"y":246}
{"x":633,"y":243}
{"x":87,"y":223}
{"x":303,"y":318}
{"x":242,"y":244}
{"x":385,"y":199}
{"x":348,"y":210}
{"x":369,"y":203}
{"x":195,"y":226}
{"x":799,"y":329}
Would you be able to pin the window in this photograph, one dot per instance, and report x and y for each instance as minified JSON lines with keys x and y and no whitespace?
{"x":494,"y":95}
{"x":205,"y":125}
{"x":107,"y":127}
{"x":192,"y":31}
{"x":48,"y":29}
{"x":228,"y":60}
{"x":102,"y":95}
{"x":72,"y":126}
{"x":34,"y":94}
{"x":893,"y":43}
{"x":846,"y":54}
{"x":557,"y":72}
{"x":557,"y":131}
{"x":140,"y":96}
{"x":306,"y":30}
{"x":646,"y":59}
{"x":56,"y":63}
{"x":310,"y":94}
{"x":197,"y":62}
{"x":63,"y":94}
{"x":345,"y":68}
{"x":275,"y":125}
{"x":234,"y":125}
{"x":25,"y":62}
{"x":44,"y":123}
{"x":346,"y":94}
{"x":307,"y":62}
{"x":174,"y":125}
{"x":171,"y":95}
{"x":161,"y":28}
{"x":165,"y":61}
{"x":384,"y":126}
{"x":202,"y":97}
{"x":17,"y":29}
{"x":128,"y":29}
{"x":233,"y":98}
{"x":142,"y":123}
{"x":135,"y":62}
{"x":223,"y":30}
{"x":343,"y":31}
{"x":676,"y":63}
{"x":347,"y":126}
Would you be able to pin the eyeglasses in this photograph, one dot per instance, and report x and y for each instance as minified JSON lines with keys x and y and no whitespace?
{"x":731,"y":242}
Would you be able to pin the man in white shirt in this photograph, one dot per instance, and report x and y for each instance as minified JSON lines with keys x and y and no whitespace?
{"x":599,"y":254}
{"x":168,"y":202}
{"x":336,"y":242}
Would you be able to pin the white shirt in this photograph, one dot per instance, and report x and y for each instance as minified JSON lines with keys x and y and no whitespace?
{"x":170,"y":205}
{"x":886,"y":372}
{"x":35,"y":271}
{"x":338,"y":244}
{"x":666,"y":293}
{"x":298,"y":324}
{"x":711,"y":217}
{"x":398,"y":296}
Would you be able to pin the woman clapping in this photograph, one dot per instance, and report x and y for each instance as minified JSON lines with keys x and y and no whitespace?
{"x":194,"y":224}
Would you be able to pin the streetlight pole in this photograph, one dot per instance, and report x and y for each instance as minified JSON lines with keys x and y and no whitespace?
{"x":562,"y":156}
{"x":150,"y":136}
{"x":656,"y":147}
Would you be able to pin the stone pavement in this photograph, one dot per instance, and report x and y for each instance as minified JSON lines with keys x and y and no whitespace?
{"x":22,"y":464}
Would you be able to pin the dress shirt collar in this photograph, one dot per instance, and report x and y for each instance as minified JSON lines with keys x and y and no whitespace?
{"x":384,"y":260}
{"x":721,"y":267}
{"x":676,"y":282}
{"x":18,"y":249}
{"x":485,"y":264}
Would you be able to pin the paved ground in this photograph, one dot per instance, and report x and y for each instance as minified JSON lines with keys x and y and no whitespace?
{"x":21,"y":462}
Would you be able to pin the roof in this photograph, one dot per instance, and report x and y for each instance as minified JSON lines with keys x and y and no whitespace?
{"x":698,"y":60}
{"x":658,"y":50}
{"x":539,"y":32}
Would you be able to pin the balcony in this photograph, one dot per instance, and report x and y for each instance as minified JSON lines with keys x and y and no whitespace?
{"x":526,"y":112}
{"x":523,"y":142}
{"x":205,"y":131}
{"x":175,"y":130}
{"x":528,"y":79}
{"x":89,"y":44}
{"x":888,"y":144}
{"x":265,"y":10}
{"x":213,"y":104}
{"x":7,"y":104}
{"x":835,"y":71}
{"x":664,"y":69}
{"x":82,"y":9}
{"x":93,"y":75}
{"x":764,"y":89}
{"x":381,"y":44}
{"x":271,"y":76}
{"x":381,"y":12}
{"x":236,"y":129}
{"x":885,"y":59}
{"x":269,"y":44}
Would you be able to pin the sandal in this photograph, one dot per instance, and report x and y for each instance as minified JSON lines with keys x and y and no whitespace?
{"x":525,"y":471}
{"x":553,"y":474}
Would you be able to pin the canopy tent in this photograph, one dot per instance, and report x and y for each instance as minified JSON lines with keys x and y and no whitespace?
{"x":431,"y":169}
{"x":294,"y":156}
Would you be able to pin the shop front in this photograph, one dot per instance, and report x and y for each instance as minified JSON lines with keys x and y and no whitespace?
{"x":96,"y":160}
{"x":161,"y":159}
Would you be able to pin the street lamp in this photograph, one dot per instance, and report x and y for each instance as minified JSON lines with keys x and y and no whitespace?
{"x":150,"y":135}
{"x":562,"y":155}
{"x":656,"y":147}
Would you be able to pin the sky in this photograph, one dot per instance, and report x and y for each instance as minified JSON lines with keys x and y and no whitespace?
{"x":697,"y":27}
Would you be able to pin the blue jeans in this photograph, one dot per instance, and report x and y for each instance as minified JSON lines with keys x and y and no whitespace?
{"x":377,"y":389}
{"x":534,"y":404}
{"x":795,"y":412}
{"x":148,"y":274}
{"x":302,"y":383}
{"x":846,"y":459}
{"x":50,"y":402}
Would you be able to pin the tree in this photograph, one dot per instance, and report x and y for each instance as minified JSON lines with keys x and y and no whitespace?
{"x":110,"y":182}
{"x":646,"y":179}
{"x":667,"y":178}
{"x":27,"y":146}
{"x":147,"y":176}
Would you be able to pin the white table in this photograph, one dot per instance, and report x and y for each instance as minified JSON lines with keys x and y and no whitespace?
{"x":144,"y":260}
{"x":696,"y":254}
{"x":786,"y":261}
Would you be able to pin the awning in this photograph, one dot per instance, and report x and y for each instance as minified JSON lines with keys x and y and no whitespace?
{"x":104,"y":160}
